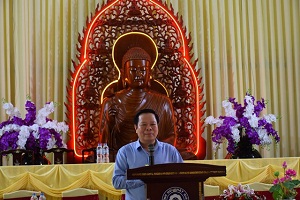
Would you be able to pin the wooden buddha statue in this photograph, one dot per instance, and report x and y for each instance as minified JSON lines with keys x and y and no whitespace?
{"x":134,"y":54}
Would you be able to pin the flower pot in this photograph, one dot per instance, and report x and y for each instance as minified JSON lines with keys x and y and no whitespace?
{"x":245,"y":149}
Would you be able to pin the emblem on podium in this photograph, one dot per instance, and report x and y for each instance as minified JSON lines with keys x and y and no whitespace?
{"x":175,"y":193}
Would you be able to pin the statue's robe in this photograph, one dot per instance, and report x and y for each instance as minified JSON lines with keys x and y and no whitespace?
{"x":117,"y":125}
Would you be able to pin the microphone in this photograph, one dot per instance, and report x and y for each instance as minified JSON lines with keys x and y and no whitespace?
{"x":151,"y":156}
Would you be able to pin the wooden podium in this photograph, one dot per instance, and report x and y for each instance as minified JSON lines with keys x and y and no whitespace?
{"x":176,"y":180}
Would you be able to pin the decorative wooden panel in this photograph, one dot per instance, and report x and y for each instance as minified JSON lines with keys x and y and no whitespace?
{"x":174,"y":70}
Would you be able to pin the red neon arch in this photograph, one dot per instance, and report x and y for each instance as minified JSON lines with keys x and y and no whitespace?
{"x":200,"y":152}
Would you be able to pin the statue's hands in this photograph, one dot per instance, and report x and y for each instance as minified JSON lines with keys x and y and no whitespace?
{"x":112,"y":112}
{"x":111,"y":115}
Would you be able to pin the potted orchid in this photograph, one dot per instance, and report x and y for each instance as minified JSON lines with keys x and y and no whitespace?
{"x":240,"y":192}
{"x":284,"y":188}
{"x":243,"y":122}
{"x":35,"y":132}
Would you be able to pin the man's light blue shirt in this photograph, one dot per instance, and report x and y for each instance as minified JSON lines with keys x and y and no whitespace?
{"x":132,"y":156}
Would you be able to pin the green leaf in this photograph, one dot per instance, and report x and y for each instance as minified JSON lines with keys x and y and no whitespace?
{"x":277,"y":194}
{"x":291,"y":184}
{"x":275,"y":188}
{"x":296,"y":182}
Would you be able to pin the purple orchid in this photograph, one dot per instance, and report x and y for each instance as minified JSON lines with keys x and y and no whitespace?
{"x":36,"y":131}
{"x":246,"y":118}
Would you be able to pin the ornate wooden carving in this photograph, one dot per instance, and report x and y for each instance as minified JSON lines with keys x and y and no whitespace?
{"x":174,"y":70}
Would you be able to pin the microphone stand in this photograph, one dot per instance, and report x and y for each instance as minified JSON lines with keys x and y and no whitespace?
{"x":151,"y":156}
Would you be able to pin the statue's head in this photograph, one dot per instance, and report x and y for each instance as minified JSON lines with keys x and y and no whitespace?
{"x":134,"y":55}
{"x":136,"y":68}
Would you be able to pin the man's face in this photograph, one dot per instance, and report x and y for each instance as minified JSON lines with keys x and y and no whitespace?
{"x":137,"y":73}
{"x":147,"y":128}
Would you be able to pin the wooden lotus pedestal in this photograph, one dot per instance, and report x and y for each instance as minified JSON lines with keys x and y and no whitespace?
{"x":176,"y":180}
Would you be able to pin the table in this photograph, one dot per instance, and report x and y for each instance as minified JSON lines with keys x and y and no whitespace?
{"x":53,"y":179}
{"x":247,"y":171}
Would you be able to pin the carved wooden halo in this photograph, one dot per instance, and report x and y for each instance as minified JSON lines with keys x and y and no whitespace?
{"x":95,"y":71}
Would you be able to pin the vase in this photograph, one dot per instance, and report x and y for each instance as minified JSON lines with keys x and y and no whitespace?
{"x":245,"y":149}
{"x":37,"y":158}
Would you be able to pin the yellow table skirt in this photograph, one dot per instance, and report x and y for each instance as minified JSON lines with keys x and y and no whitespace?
{"x":54,"y":179}
{"x":246,"y":171}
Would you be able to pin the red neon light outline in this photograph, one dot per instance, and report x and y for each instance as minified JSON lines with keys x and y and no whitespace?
{"x":184,"y":54}
{"x":73,"y":104}
{"x":197,"y":106}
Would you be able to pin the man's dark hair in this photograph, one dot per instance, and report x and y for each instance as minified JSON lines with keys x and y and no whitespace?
{"x":136,"y":118}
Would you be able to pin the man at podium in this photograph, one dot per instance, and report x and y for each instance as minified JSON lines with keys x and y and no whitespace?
{"x":147,"y":150}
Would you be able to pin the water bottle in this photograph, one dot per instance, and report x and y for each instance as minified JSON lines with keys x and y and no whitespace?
{"x":42,"y":196}
{"x":33,"y":197}
{"x":105,"y":153}
{"x":123,"y":192}
{"x":99,"y":153}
